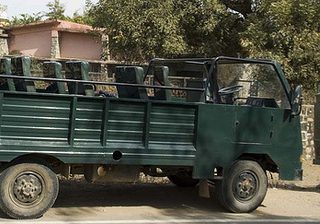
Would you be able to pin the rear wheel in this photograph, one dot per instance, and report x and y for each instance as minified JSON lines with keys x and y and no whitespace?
{"x":27,"y":190}
{"x":183,"y":179}
{"x":243,"y":188}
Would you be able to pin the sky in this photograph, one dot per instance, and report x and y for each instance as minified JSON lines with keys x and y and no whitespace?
{"x":17,"y":7}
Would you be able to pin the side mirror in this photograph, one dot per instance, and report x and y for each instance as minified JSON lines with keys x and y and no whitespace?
{"x":296,"y":100}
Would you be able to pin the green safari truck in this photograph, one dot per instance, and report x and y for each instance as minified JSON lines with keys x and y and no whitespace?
{"x":226,"y":120}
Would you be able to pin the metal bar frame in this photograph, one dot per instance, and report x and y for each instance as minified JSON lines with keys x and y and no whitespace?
{"x":99,"y":83}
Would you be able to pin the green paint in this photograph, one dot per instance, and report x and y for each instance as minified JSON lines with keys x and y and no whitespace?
{"x":203,"y":135}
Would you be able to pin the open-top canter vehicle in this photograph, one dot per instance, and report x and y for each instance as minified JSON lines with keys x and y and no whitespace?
{"x":227,"y":120}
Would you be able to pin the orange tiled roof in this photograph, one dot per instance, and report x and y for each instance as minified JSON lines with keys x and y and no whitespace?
{"x":60,"y":25}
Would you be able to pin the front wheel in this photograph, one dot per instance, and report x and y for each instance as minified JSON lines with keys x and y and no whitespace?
{"x":27,"y":190}
{"x":243,"y":188}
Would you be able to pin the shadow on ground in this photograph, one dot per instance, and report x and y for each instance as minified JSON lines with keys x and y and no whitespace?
{"x":78,"y":199}
{"x":74,"y":193}
{"x":172,"y":201}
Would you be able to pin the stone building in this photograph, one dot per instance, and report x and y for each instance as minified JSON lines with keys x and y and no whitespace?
{"x":56,"y":39}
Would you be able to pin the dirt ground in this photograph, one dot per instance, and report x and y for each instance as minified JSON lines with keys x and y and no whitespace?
{"x":83,"y":203}
{"x":159,"y":202}
{"x":311,"y":179}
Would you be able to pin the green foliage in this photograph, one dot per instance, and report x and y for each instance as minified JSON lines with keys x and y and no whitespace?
{"x":287,"y":31}
{"x":209,"y":29}
{"x":242,"y":6}
{"x":56,"y":10}
{"x":24,"y":19}
{"x":139,"y":29}
{"x":84,"y":17}
{"x":3,"y":9}
{"x":142,"y":29}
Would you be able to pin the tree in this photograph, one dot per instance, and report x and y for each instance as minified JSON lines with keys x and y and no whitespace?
{"x":142,"y":29}
{"x":25,"y":18}
{"x":83,"y":17}
{"x":244,"y":7}
{"x":139,"y":29}
{"x":209,"y":29}
{"x":287,"y":31}
{"x":56,"y":10}
{"x":3,"y":9}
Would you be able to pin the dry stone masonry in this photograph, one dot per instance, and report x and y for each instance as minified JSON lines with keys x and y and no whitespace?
{"x":307,"y":132}
{"x":3,"y":43}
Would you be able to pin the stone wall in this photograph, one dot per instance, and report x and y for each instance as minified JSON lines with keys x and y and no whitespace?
{"x":307,"y":118}
{"x":3,"y":43}
{"x":55,"y":49}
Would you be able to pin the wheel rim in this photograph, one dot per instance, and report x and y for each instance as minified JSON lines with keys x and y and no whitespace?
{"x":246,"y":186}
{"x":27,"y":189}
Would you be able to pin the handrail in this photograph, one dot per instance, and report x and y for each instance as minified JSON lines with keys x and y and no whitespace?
{"x":100,"y":83}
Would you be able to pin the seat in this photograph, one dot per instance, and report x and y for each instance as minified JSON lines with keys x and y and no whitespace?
{"x":130,"y":75}
{"x":5,"y":69}
{"x":79,"y":70}
{"x":195,"y":96}
{"x":261,"y":102}
{"x":161,"y":78}
{"x":52,"y":69}
{"x":21,"y":67}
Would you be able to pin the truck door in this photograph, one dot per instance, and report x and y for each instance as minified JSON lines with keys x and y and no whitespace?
{"x":253,"y":125}
{"x":259,"y":99}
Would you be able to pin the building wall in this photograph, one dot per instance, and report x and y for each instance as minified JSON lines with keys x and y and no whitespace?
{"x":80,"y":45}
{"x":32,"y":43}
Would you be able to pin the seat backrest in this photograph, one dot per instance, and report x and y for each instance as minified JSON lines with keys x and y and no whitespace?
{"x":79,"y":70}
{"x":261,"y":102}
{"x":161,"y":78}
{"x":5,"y":69}
{"x":130,"y":75}
{"x":52,"y":69}
{"x":20,"y":66}
{"x":195,"y":96}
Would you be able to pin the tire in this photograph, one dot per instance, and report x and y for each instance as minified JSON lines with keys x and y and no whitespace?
{"x":244,"y":187}
{"x":27,"y":190}
{"x":183,"y":179}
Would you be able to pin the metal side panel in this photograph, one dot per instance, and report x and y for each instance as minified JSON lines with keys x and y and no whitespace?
{"x":89,"y":129}
{"x":172,"y":129}
{"x":152,"y":133}
{"x":34,"y":120}
{"x":225,"y":133}
{"x":125,"y":125}
{"x":88,"y":122}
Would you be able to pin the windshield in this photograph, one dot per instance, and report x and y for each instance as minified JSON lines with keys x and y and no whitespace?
{"x":252,"y":83}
